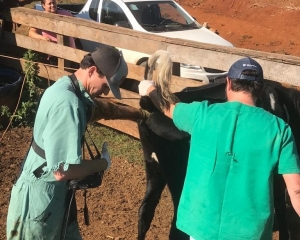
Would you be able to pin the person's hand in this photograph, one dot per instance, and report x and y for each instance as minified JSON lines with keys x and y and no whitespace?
{"x":105,"y":154}
{"x":46,"y":38}
{"x":144,"y":86}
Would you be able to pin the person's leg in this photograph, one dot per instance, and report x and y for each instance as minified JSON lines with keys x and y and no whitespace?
{"x":14,"y":222}
{"x":73,"y":232}
{"x":31,"y":219}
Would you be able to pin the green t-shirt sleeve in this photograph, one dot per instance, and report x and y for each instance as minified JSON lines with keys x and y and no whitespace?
{"x":288,"y":160}
{"x":62,"y":137}
{"x":186,"y":114}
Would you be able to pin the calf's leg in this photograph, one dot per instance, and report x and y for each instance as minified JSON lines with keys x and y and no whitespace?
{"x":155,"y":183}
{"x":155,"y":186}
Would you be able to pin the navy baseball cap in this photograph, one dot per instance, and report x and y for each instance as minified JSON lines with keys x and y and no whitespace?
{"x":246,"y":69}
{"x":111,"y":63}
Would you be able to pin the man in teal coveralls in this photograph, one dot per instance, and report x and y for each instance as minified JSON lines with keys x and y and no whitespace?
{"x":37,"y":201}
{"x":235,"y":150}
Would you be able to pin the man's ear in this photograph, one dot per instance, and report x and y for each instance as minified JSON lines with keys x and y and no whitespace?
{"x":92,"y":70}
{"x":228,"y":84}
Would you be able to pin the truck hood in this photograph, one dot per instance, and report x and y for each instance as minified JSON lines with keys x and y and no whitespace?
{"x":198,"y":35}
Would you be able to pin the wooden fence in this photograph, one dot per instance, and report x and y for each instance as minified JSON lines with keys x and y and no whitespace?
{"x":277,"y":67}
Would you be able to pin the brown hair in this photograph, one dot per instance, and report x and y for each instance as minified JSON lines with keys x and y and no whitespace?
{"x":253,"y":87}
{"x":87,"y":62}
{"x":43,"y":1}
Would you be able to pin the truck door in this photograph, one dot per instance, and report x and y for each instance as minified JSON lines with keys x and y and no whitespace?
{"x":93,"y":10}
{"x":113,"y":14}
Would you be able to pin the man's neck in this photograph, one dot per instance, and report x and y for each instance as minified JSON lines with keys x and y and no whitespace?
{"x":242,"y":97}
{"x":81,"y":75}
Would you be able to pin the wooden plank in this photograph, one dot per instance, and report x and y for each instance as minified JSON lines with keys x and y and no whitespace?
{"x":135,"y":72}
{"x":125,"y":126}
{"x":46,"y":71}
{"x":99,"y":32}
{"x":128,"y":98}
{"x":53,"y":73}
{"x":178,"y":83}
{"x":277,"y":67}
{"x":75,"y":27}
{"x":71,"y":26}
{"x":50,"y":48}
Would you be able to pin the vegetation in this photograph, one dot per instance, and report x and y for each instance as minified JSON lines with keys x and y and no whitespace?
{"x":30,"y":92}
{"x":120,"y":145}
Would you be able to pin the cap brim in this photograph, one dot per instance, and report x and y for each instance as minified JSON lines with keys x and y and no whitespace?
{"x":115,"y":81}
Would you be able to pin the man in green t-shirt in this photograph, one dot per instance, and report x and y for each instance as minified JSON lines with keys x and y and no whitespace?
{"x":235,"y":150}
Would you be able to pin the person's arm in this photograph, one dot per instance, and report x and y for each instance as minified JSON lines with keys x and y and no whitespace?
{"x":292,"y":182}
{"x":78,"y":171}
{"x":155,"y":98}
{"x":106,"y":109}
{"x":34,"y":33}
{"x":85,"y":168}
{"x":147,"y":88}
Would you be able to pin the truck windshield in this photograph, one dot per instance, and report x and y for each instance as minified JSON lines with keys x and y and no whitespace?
{"x":161,"y":16}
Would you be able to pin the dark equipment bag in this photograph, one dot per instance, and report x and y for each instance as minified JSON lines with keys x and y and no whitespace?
{"x":93,"y":180}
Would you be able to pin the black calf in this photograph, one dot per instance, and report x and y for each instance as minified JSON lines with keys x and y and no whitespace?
{"x":170,"y":171}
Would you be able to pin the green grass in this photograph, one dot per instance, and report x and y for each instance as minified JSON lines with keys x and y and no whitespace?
{"x":120,"y":145}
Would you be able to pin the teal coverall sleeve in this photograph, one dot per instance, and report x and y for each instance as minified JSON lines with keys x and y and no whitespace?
{"x":62,"y":137}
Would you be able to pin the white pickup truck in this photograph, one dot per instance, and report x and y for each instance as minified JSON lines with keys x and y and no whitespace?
{"x":161,"y":17}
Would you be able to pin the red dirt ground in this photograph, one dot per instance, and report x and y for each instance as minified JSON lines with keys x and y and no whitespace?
{"x":264,"y":25}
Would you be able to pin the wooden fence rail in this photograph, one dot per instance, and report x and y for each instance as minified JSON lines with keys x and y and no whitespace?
{"x":281,"y":68}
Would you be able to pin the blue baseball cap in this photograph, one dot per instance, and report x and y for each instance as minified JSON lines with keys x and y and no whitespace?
{"x":246,"y":69}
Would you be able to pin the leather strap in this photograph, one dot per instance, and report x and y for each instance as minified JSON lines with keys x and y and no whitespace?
{"x":76,"y":88}
{"x":38,"y":150}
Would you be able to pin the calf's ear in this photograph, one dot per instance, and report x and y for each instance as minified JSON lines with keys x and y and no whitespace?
{"x":147,"y":104}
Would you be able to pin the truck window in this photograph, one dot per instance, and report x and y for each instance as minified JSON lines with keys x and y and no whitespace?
{"x":93,"y":11}
{"x":113,"y":14}
{"x":161,"y":16}
{"x":170,"y":13}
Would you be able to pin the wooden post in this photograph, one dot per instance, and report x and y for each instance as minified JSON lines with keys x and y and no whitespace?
{"x":63,"y":63}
